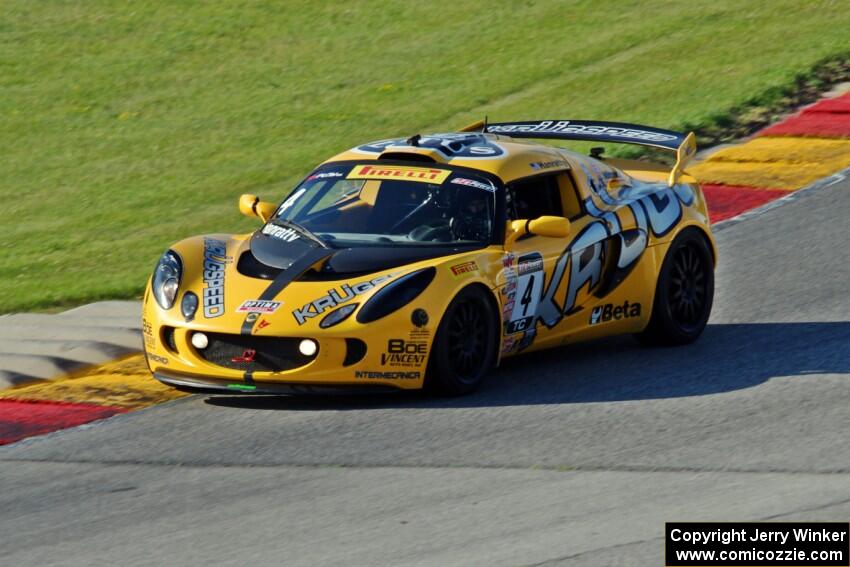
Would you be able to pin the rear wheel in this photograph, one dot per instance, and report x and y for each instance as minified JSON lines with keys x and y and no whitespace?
{"x":464,"y":348}
{"x":684,"y":294}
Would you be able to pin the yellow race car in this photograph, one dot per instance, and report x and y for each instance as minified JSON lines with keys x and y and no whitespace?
{"x":422,"y":262}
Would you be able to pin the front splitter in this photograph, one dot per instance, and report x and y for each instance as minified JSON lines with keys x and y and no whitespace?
{"x":215,"y":386}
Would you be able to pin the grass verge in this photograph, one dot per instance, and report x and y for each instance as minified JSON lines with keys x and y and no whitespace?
{"x":127,"y":127}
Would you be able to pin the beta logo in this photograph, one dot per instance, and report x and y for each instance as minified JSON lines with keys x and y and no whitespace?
{"x":609,"y":312}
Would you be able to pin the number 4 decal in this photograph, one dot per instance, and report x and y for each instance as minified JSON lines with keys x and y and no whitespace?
{"x":526,"y":295}
{"x":529,"y":289}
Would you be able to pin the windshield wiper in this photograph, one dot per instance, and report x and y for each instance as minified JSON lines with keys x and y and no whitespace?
{"x":304,"y":231}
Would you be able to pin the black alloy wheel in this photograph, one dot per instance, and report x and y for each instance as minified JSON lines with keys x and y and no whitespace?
{"x":467,"y":339}
{"x":684,"y":293}
{"x":465,"y":346}
{"x":687,"y":293}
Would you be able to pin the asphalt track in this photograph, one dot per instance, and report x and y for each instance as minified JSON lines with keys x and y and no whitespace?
{"x":576,"y":456}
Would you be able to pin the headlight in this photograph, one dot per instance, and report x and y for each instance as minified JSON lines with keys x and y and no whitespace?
{"x":166,"y":279}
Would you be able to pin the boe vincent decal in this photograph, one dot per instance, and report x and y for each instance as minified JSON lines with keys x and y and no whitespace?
{"x":404,"y":353}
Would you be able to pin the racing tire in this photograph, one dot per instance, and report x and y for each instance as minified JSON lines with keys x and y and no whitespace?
{"x":684,"y":293}
{"x":464,"y":348}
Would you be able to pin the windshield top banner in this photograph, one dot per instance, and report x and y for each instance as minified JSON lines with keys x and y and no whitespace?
{"x":400,"y":173}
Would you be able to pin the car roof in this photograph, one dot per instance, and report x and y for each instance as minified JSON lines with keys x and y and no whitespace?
{"x":505,"y":157}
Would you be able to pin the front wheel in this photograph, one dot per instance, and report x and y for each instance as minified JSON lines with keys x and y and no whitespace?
{"x":684,"y":293}
{"x":464,"y":348}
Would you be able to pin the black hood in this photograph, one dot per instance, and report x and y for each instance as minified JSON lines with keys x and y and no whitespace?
{"x":280,"y":247}
{"x":280,"y":253}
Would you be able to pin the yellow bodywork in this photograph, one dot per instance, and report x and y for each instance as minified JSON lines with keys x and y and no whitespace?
{"x":606,"y":187}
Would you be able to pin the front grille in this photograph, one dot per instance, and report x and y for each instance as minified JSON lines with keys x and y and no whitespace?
{"x":271,"y":354}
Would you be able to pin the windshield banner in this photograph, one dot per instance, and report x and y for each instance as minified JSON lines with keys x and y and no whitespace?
{"x":400,"y":172}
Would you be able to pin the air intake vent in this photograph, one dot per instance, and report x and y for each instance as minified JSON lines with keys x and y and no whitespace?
{"x":406,"y":156}
{"x":355,"y":350}
{"x":248,"y":265}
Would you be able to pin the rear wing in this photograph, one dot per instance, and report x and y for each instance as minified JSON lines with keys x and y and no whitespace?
{"x":684,"y":145}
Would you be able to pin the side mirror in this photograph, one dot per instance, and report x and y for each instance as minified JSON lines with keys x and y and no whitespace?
{"x":548,"y":226}
{"x":251,"y":206}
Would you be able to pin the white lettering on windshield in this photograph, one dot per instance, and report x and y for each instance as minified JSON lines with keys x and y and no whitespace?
{"x":291,"y":200}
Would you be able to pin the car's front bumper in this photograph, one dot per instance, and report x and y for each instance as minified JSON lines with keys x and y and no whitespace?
{"x":219,"y":386}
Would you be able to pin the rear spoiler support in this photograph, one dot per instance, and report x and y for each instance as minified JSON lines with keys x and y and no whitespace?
{"x":684,"y":145}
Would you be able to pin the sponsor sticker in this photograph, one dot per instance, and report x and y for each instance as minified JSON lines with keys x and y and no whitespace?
{"x":459,"y":270}
{"x":529,"y":288}
{"x":420,"y":334}
{"x":474,"y":183}
{"x":325,"y":175}
{"x":548,"y":164}
{"x":258,"y":306}
{"x":281,"y":232}
{"x":534,"y":264}
{"x":247,"y":356}
{"x":373,"y":375}
{"x":404,"y":353}
{"x":263,"y":324}
{"x":565,"y":127}
{"x":147,"y":330}
{"x":345,"y":293}
{"x":610,"y":312}
{"x":399,"y":172}
{"x":157,"y":358}
{"x":215,"y":260}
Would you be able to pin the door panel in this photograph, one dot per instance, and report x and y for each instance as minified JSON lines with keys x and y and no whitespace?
{"x":586,"y":285}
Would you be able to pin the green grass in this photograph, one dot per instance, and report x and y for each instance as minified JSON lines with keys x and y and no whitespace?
{"x":128,"y":125}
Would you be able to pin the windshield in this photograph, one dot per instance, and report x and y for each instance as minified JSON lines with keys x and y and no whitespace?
{"x":381,"y":205}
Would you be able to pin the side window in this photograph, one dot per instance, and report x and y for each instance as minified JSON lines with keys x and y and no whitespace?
{"x":535,"y":197}
{"x":569,"y":196}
